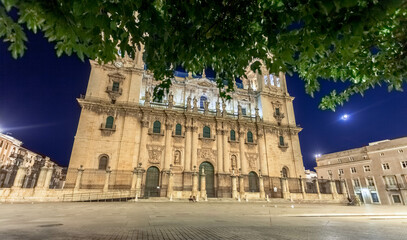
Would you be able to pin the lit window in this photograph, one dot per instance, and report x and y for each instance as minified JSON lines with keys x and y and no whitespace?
{"x":404,"y":164}
{"x":206,"y":132}
{"x":249,"y":137}
{"x":366,"y":168}
{"x":353,"y":170}
{"x":109,"y":122}
{"x":340,"y":171}
{"x":178,"y":129}
{"x":157,"y":127}
{"x":385,"y":166}
{"x":232,"y":135}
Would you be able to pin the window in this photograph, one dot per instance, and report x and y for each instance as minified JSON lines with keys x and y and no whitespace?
{"x":366,"y":168}
{"x":351,"y":159}
{"x":400,"y":150}
{"x":253,"y":182}
{"x":265,"y":79}
{"x":281,"y":141}
{"x":249,"y":137}
{"x":178,"y":129}
{"x":232,"y":135}
{"x":353,"y":170}
{"x":404,"y":164}
{"x":370,"y":182}
{"x":115,"y":87}
{"x":356,"y":183}
{"x":390,"y":180}
{"x":381,"y":154}
{"x":206,"y":132}
{"x":375,"y":197}
{"x":278,"y":111}
{"x":284,"y":172}
{"x":396,"y":198}
{"x":157,"y":127}
{"x":271,"y":79}
{"x":202,"y":102}
{"x":340,"y":171}
{"x":243,"y":111}
{"x":103,"y":162}
{"x":385,"y":166}
{"x":109,"y":122}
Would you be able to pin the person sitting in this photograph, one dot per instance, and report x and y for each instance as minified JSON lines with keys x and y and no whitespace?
{"x":191,"y":199}
{"x":194,"y":198}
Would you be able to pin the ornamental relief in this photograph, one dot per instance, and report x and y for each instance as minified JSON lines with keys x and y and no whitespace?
{"x":252,"y":159}
{"x":207,"y":154}
{"x":154,"y":153}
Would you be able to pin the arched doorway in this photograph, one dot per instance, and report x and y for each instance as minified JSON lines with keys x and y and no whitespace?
{"x":209,"y":178}
{"x":152,"y":182}
{"x":253,"y":182}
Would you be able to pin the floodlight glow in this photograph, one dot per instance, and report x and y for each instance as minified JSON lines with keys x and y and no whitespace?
{"x":317,"y":155}
{"x":345,"y":117}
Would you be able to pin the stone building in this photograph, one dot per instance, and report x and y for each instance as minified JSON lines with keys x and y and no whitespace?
{"x":191,"y":141}
{"x":377,"y":173}
{"x":14,"y":157}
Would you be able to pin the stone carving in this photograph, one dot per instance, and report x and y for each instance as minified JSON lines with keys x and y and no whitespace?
{"x":155,"y":153}
{"x":233,"y":161}
{"x":207,"y":154}
{"x":252,"y":159}
{"x":170,"y":100}
{"x":195,"y":105}
{"x":147,"y":98}
{"x":189,"y":103}
{"x":177,"y":157}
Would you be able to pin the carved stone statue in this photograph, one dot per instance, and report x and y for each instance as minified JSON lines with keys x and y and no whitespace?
{"x":224,"y":108}
{"x":206,"y":107}
{"x":147,"y":98}
{"x":217,"y":108}
{"x":177,"y":159}
{"x":189,"y":103}
{"x":239,"y":110}
{"x":170,"y":100}
{"x":233,"y":161}
{"x":195,"y":105}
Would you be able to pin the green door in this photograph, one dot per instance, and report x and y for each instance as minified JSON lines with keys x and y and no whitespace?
{"x":152,"y":183}
{"x":253,"y":182}
{"x":209,"y":178}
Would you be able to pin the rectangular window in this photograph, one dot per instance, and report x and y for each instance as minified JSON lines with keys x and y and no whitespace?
{"x":278,"y":111}
{"x":340,"y":171}
{"x":404,"y":164}
{"x":244,"y":111}
{"x":385,"y":166}
{"x":366,"y":168}
{"x":391,"y":181}
{"x":353,"y":170}
{"x":370,"y":182}
{"x":375,"y":197}
{"x":356,"y":182}
{"x":396,"y":198}
{"x":115,"y":87}
{"x":351,"y":159}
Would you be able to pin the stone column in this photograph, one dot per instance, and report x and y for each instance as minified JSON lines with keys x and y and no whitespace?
{"x":234,"y":185}
{"x":343,"y":186}
{"x":317,"y":186}
{"x":187,"y":157}
{"x":261,"y":185}
{"x":107,"y":179}
{"x":134,"y":180}
{"x":143,"y":141}
{"x":41,"y":177}
{"x":203,"y":184}
{"x":79,"y":178}
{"x":243,"y":163}
{"x":48,"y":177}
{"x":334,"y":192}
{"x":140,"y":172}
{"x":219,"y":136}
{"x":285,"y":188}
{"x":226,"y":157}
{"x":19,"y":179}
{"x":194,"y":182}
{"x":241,"y":186}
{"x":262,"y":153}
{"x":304,"y":194}
{"x":170,"y":188}
{"x":194,"y":153}
{"x":168,"y":146}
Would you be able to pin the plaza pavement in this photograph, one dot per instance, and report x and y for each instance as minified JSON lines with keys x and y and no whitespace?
{"x":203,"y":220}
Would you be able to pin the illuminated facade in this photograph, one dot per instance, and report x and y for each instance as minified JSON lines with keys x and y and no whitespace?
{"x":160,"y":148}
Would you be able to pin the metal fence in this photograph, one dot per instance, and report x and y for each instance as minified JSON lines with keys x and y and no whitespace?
{"x":294,"y":185}
{"x":324,"y":186}
{"x":311,"y":187}
{"x":116,"y":196}
{"x":275,"y":185}
{"x":338,"y":186}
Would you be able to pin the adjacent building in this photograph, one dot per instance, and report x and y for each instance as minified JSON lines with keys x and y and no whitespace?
{"x":377,"y":173}
{"x":126,"y":140}
{"x":14,"y":156}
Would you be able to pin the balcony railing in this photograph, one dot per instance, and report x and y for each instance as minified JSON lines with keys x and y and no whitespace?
{"x":110,"y":89}
{"x":103,"y":127}
{"x":285,"y":145}
{"x":390,"y":187}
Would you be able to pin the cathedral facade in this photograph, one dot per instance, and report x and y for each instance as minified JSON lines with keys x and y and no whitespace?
{"x":192,"y":142}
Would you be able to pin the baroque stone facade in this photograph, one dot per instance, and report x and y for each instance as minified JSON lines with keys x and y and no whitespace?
{"x":161,"y":148}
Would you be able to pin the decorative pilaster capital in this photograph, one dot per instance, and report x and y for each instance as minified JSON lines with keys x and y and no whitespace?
{"x":220,"y":131}
{"x":81,"y":169}
{"x":194,"y":128}
{"x":144,"y":123}
{"x":108,"y":171}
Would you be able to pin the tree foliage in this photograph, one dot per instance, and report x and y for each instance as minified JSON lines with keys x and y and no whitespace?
{"x":361,"y":42}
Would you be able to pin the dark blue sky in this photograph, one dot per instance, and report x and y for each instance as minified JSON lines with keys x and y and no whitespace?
{"x":38,"y":106}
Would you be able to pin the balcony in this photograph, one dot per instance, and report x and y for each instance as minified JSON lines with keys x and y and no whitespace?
{"x":161,"y":133}
{"x":283,"y":146}
{"x":104,"y":128}
{"x":114,"y":93}
{"x":278,"y":116}
{"x":200,"y":136}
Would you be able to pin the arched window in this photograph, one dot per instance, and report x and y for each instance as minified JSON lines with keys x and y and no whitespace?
{"x":157,"y":127}
{"x":202,"y":102}
{"x":178,"y":129}
{"x":253,"y":182}
{"x":284,"y":172}
{"x":103,"y":162}
{"x":249,"y":137}
{"x":109,"y":122}
{"x":206,"y":132}
{"x":232,"y":135}
{"x":281,"y":141}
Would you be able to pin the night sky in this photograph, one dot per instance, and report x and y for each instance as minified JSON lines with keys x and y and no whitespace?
{"x":38,"y":106}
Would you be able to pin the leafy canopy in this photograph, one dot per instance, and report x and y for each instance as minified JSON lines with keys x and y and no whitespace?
{"x":361,"y":42}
